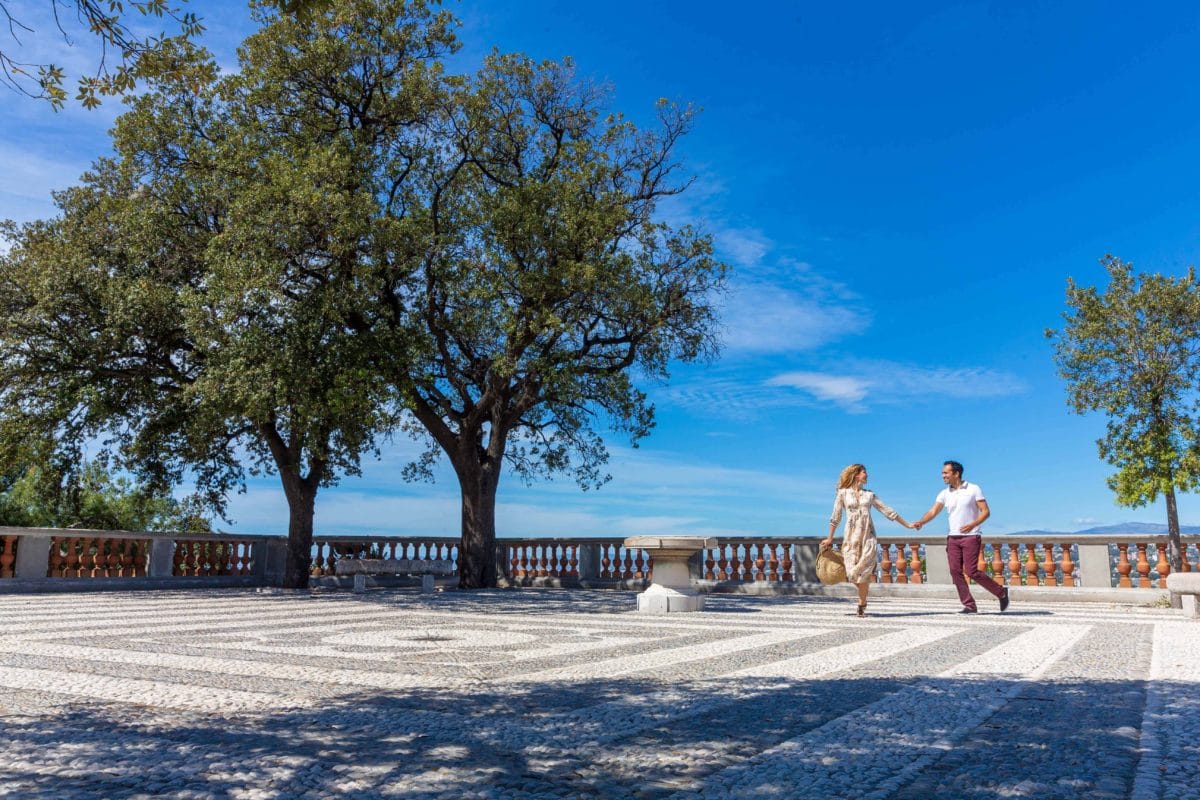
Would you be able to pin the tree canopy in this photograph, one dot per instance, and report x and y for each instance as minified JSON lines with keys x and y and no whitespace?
{"x":187,"y":307}
{"x":1132,"y":352}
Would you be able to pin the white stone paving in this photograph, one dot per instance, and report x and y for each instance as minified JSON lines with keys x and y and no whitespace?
{"x":545,"y":694}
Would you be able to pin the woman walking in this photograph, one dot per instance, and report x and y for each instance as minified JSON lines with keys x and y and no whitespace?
{"x":858,"y":540}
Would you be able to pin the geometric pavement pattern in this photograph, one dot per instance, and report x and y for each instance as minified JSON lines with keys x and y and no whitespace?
{"x":571,"y":694}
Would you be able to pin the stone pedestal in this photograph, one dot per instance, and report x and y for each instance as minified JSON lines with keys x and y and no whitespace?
{"x":671,"y":589}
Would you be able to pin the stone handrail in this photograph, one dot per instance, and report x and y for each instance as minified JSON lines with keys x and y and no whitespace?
{"x":48,"y":557}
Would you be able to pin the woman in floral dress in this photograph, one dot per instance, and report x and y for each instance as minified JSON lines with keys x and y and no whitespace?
{"x":858,"y":541}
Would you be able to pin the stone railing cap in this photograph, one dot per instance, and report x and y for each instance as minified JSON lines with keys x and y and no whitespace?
{"x":671,"y":542}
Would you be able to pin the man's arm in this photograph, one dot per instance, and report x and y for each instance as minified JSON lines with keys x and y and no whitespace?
{"x":984,"y":513}
{"x":930,"y":514}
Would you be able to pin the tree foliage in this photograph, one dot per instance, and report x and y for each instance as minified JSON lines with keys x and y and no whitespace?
{"x":188,"y":305}
{"x":1131,"y":352}
{"x":125,"y":55}
{"x":91,"y":496}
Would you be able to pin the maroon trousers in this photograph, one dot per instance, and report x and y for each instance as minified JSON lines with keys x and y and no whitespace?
{"x":963,"y":554}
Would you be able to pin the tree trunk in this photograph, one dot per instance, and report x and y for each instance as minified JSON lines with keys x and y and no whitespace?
{"x":302,"y":502}
{"x":1174,"y":544}
{"x":477,"y":566}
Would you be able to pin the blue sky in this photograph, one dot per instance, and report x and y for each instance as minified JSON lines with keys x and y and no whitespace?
{"x":902,"y":190}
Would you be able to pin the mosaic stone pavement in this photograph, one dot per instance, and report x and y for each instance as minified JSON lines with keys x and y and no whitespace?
{"x":556,"y":694}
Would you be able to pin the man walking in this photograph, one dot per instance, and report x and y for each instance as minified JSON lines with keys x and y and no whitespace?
{"x":967,"y":509}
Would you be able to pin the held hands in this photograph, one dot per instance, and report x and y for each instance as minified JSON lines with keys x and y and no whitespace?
{"x":916,"y":526}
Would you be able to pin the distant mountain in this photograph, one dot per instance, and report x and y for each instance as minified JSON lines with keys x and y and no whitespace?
{"x":1136,"y":528}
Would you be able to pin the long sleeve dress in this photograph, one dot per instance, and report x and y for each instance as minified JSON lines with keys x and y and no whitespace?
{"x":858,"y":541}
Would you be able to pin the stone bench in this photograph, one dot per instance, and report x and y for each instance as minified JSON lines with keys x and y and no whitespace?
{"x":360,"y":568}
{"x":1187,"y":585}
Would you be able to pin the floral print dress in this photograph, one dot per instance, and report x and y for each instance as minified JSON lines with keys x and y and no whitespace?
{"x":858,"y":541}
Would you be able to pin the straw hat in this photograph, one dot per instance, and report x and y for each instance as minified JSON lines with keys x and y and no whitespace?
{"x":831,"y":567}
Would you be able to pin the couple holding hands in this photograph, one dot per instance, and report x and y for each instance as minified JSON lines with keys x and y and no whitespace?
{"x":965,"y":505}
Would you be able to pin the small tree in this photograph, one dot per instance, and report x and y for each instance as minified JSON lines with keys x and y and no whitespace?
{"x":1132,"y":352}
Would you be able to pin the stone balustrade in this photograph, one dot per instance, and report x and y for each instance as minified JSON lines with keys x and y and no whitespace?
{"x":47,"y":558}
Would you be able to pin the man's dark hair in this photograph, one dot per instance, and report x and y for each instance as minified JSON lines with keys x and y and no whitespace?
{"x":954,"y":467}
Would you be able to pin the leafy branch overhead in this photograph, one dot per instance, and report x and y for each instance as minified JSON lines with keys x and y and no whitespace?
{"x":120,"y":34}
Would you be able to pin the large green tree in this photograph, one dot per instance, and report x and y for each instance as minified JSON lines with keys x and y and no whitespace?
{"x":1132,"y":352}
{"x":188,"y":305}
{"x":547,"y":286}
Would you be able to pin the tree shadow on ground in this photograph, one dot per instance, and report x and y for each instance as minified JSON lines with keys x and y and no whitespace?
{"x":608,"y":738}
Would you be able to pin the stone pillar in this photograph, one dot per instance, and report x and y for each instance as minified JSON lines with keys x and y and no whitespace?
{"x":804,"y":560}
{"x":33,"y":558}
{"x":589,"y":561}
{"x":937,"y":569}
{"x":273,"y":554}
{"x":1094,"y":568}
{"x":162,"y":558}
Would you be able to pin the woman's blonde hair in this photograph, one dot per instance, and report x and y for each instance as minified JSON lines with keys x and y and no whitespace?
{"x":846,"y":479}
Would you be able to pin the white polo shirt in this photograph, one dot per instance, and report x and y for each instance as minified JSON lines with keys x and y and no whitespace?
{"x":961,"y":505}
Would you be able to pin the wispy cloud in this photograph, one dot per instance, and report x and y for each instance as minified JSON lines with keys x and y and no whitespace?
{"x":882,"y":382}
{"x":845,"y":390}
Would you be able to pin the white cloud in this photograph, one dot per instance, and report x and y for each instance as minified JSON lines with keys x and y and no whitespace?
{"x":746,"y":247}
{"x":846,"y":391}
{"x":884,"y":382}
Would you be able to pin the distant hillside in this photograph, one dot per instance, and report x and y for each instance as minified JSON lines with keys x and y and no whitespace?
{"x":1137,"y":528}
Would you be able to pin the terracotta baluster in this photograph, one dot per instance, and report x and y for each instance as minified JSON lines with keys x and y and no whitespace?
{"x":787,"y":562}
{"x":628,"y":571}
{"x":722,"y":563}
{"x":773,"y":563}
{"x":1031,"y":566}
{"x":914,"y":562}
{"x":1068,"y":566}
{"x":710,"y":563}
{"x":760,"y":562}
{"x":901,"y":564}
{"x":1049,"y":565}
{"x":606,"y":564}
{"x":747,"y":564}
{"x":1163,"y":567}
{"x":998,"y":564}
{"x":574,"y":562}
{"x":1124,"y":567}
{"x":885,"y":565}
{"x":1014,"y":565}
{"x":1143,"y":566}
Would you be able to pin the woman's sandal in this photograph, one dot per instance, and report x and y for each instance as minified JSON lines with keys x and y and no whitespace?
{"x":862,"y":609}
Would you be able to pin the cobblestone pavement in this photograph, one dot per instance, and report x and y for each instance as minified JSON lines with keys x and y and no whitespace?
{"x":556,"y":694}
